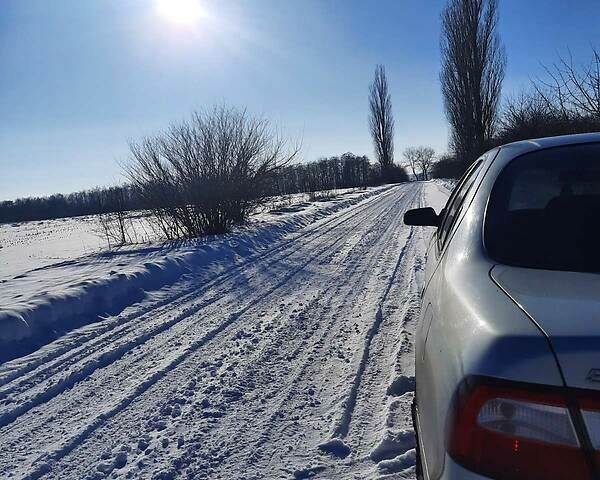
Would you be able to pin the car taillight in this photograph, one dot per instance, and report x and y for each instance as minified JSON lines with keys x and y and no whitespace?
{"x":506,"y":431}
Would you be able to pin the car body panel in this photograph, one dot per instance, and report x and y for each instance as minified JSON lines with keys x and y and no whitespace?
{"x":469,"y":325}
{"x":566,"y":306}
{"x":465,"y":338}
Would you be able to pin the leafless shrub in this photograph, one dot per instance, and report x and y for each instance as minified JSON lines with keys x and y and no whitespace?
{"x":543,"y":114}
{"x":321,"y":195}
{"x":113,"y":222}
{"x":569,"y":91}
{"x":204,"y":175}
{"x":447,"y":167}
{"x":473,"y":62}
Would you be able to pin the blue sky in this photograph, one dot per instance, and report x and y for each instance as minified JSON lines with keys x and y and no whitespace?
{"x":78,"y":78}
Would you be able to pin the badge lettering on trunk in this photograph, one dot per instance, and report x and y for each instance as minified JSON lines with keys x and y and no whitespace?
{"x":593,"y":375}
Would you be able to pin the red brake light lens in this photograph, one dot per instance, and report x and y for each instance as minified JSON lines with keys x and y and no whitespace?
{"x":510,"y":432}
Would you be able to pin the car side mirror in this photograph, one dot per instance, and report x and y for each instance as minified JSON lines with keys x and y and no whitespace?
{"x":425,"y":217}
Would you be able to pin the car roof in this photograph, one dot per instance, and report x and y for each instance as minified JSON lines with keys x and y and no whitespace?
{"x":525,"y":146}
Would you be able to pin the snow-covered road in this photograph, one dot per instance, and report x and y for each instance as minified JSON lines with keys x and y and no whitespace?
{"x":295,"y":363}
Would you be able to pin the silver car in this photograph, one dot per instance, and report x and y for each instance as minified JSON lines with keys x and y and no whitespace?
{"x":508,"y":343}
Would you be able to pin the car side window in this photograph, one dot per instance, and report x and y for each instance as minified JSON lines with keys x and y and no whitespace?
{"x":453,"y":207}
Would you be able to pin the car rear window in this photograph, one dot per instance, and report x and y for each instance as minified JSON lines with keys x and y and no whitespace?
{"x":544,"y":210}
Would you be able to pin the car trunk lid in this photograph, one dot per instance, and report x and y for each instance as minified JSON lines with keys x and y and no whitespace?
{"x":566,"y":307}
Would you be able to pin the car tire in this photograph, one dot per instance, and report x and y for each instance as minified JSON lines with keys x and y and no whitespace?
{"x":418,"y":464}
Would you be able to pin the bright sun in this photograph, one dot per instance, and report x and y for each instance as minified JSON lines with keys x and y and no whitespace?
{"x":180,"y":12}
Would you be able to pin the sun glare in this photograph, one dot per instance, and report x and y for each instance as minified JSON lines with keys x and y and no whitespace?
{"x":180,"y":12}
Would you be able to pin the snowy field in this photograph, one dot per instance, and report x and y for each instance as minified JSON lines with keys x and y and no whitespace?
{"x":28,"y":246}
{"x":282,"y":350}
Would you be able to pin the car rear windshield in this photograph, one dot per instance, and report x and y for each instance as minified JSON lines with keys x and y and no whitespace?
{"x":544,"y":210}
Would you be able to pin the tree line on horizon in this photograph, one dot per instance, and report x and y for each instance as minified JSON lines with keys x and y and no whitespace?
{"x":86,"y":202}
{"x":327,"y":173}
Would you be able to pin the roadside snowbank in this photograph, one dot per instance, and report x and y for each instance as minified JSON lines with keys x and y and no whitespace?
{"x":39,"y":305}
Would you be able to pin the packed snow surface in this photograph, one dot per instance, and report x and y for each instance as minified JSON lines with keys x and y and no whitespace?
{"x":282,"y":350}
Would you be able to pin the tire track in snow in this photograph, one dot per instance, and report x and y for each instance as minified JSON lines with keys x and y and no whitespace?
{"x":384,"y":441}
{"x":114,"y":354}
{"x":358,"y":462}
{"x":124,"y":403}
{"x":341,"y":430}
{"x":261,"y":435}
{"x":389,"y":384}
{"x":61,"y":355}
{"x":289,"y":392}
{"x":395,"y":452}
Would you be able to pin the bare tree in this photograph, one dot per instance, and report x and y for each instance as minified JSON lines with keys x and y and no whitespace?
{"x":381,"y":122}
{"x":204,"y":175}
{"x":411,"y":156}
{"x":473,"y":62}
{"x":420,"y":159}
{"x":569,"y":91}
{"x":425,"y":161}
